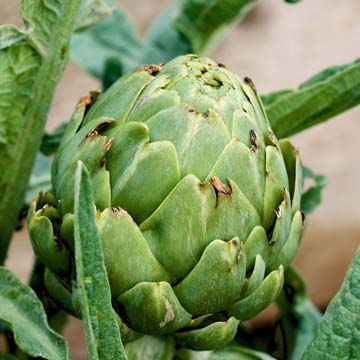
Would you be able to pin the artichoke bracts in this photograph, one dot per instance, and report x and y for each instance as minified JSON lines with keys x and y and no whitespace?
{"x":197,"y":201}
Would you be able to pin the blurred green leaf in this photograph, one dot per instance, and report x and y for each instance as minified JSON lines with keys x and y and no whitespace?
{"x":51,"y":141}
{"x":311,"y":198}
{"x":163,"y":41}
{"x":298,"y":320}
{"x":102,"y":332}
{"x":338,"y":335}
{"x":230,"y":352}
{"x":113,"y":46}
{"x":40,"y":179}
{"x":326,"y":94}
{"x":151,"y":348}
{"x":31,"y":63}
{"x":201,"y":20}
{"x":7,"y":357}
{"x":114,"y":37}
{"x":92,"y":12}
{"x":268,"y":99}
{"x":113,"y":71}
{"x":24,"y":313}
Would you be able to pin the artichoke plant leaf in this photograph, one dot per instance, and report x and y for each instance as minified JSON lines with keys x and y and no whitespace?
{"x":163,"y":41}
{"x":151,"y":348}
{"x":40,"y":179}
{"x":311,"y":198}
{"x":114,"y":38}
{"x":298,"y":320}
{"x":7,"y":357}
{"x":93,"y":291}
{"x":92,"y":12}
{"x":230,"y":352}
{"x":338,"y":334}
{"x":113,"y":46}
{"x":51,"y":141}
{"x":200,"y":21}
{"x":23,"y":311}
{"x":326,"y":94}
{"x":32,"y":60}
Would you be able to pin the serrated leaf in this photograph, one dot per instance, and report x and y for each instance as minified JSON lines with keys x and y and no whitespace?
{"x":10,"y":35}
{"x":311,"y":198}
{"x":102,"y":332}
{"x":25,"y":314}
{"x":338,"y":335}
{"x":31,"y":63}
{"x":331,"y":92}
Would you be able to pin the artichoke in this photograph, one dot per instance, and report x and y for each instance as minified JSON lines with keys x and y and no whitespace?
{"x":198,"y":203}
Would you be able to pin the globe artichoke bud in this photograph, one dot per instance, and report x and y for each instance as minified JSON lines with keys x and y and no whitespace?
{"x":198,"y":203}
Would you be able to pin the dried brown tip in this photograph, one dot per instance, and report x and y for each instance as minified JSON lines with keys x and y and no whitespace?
{"x":107,"y":146}
{"x":253,"y":146}
{"x":152,"y":69}
{"x":219,"y":186}
{"x":248,"y":81}
{"x":118,"y":211}
{"x":85,"y":100}
{"x":98,"y":129}
{"x":90,"y":98}
{"x":278,"y":212}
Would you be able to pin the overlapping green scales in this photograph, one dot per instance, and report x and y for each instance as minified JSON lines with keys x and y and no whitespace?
{"x":198,"y":201}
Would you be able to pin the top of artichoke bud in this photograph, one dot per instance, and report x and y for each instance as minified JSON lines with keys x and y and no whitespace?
{"x":211,"y":196}
{"x":187,"y":113}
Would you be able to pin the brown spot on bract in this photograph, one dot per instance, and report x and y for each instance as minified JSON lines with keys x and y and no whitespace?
{"x":222,"y":65}
{"x":85,"y":100}
{"x":272,"y":137}
{"x":249,"y":82}
{"x":234,"y":242}
{"x":303,"y":216}
{"x":107,"y":146}
{"x":152,"y":69}
{"x":89,"y":100}
{"x":278,"y":213}
{"x":219,"y":186}
{"x":253,"y":138}
{"x":98,"y":129}
{"x":119,"y":211}
{"x":239,"y":254}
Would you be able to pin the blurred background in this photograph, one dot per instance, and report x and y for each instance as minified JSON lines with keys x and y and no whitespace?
{"x":278,"y":45}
